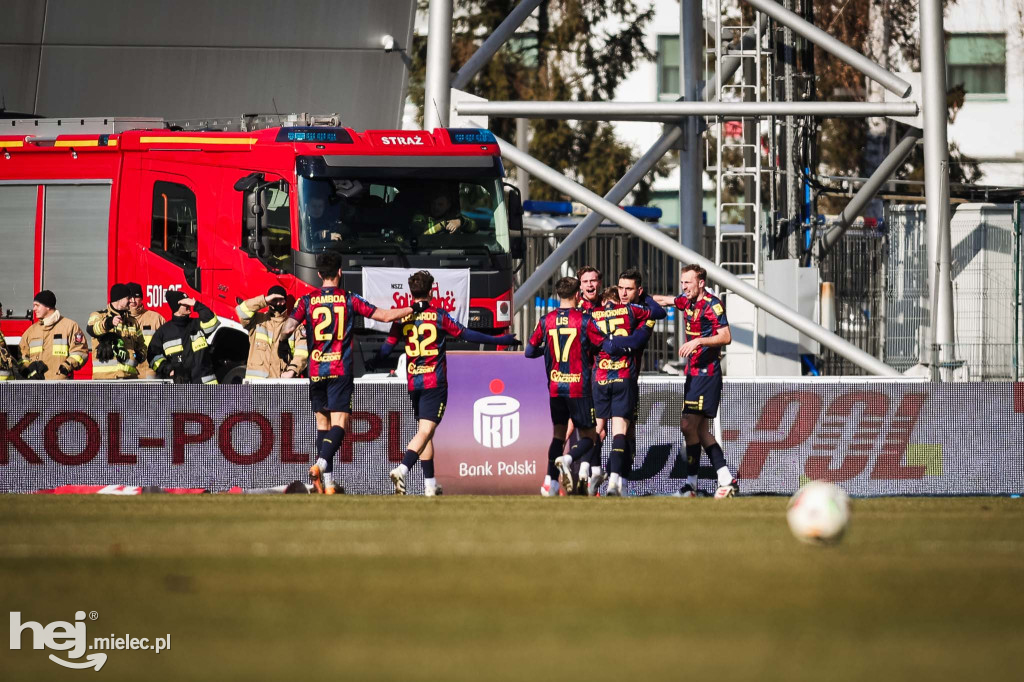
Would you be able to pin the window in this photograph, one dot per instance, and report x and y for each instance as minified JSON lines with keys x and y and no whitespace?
{"x":668,"y":66}
{"x":978,"y":62}
{"x":175,"y":228}
{"x":275,"y":245}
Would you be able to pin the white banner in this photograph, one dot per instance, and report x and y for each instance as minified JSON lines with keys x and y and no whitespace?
{"x":389,"y":288}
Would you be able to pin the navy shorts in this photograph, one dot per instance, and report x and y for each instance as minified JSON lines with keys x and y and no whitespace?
{"x":429,"y":403}
{"x":616,"y":399}
{"x":579,"y":410}
{"x":333,"y":394}
{"x":702,"y":395}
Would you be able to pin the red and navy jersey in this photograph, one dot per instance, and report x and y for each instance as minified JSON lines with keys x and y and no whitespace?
{"x":570,"y":340}
{"x":425,"y":334}
{"x":618,"y":319}
{"x":588,"y":306}
{"x":704,"y":317}
{"x":328,"y":315}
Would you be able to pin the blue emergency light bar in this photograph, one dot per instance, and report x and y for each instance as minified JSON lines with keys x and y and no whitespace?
{"x":313,"y":134}
{"x":549,"y":207}
{"x":643,"y":212}
{"x":471,"y":136}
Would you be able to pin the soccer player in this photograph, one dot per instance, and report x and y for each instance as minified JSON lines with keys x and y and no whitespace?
{"x":590,"y":288}
{"x":568,"y":339}
{"x":614,"y":394}
{"x":328,"y":316}
{"x":425,"y":332}
{"x":631,"y":290}
{"x":707,"y":330}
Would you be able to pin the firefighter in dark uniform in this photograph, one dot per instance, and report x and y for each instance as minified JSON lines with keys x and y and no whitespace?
{"x":180,"y":349}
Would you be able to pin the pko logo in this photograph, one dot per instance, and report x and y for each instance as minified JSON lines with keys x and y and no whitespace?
{"x":496,"y":418}
{"x":59,"y":636}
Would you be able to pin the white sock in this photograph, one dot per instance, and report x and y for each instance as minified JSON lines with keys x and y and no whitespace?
{"x":430,"y":484}
{"x":321,"y":464}
{"x":328,"y":480}
{"x":613,"y":480}
{"x":584,"y":469}
{"x":596,"y":471}
{"x":402,"y":469}
{"x":547,"y":480}
{"x":724,"y":476}
{"x":692,"y":481}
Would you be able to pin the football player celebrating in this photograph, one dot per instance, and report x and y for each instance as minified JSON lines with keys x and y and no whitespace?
{"x":707,"y":330}
{"x":328,"y":315}
{"x":567,"y":338}
{"x":425,"y":332}
{"x":615,"y":397}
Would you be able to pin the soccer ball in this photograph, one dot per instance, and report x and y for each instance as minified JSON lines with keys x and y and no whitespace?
{"x":818,"y":513}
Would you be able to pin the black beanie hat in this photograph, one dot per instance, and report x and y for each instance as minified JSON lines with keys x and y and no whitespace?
{"x":134,"y":289}
{"x":173,"y":298}
{"x":47,"y":298}
{"x":277,"y":289}
{"x":118,"y":291}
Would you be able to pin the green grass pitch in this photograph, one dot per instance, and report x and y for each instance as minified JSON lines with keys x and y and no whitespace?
{"x":503,"y":588}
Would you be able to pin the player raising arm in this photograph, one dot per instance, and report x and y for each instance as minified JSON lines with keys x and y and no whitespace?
{"x":707,"y":331}
{"x":328,"y":315}
{"x":425,"y":332}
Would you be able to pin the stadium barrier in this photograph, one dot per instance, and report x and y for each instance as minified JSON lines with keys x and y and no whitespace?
{"x":873,"y":437}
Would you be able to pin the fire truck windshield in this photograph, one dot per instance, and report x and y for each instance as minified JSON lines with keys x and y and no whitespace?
{"x":380,"y":215}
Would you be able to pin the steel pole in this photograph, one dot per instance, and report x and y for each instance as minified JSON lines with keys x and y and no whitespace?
{"x":723,"y":277}
{"x":869,"y":189}
{"x":936,"y":178}
{"x":437,"y":86}
{"x":493,"y":43}
{"x":669,"y":112}
{"x":575,"y":239}
{"x":523,"y":142}
{"x":691,"y":194}
{"x":839,"y":49}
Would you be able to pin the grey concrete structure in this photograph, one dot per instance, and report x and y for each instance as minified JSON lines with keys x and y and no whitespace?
{"x":191,"y":59}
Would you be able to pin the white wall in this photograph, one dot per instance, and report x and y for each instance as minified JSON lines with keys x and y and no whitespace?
{"x":991,"y":127}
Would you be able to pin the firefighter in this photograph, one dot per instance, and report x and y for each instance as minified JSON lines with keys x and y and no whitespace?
{"x":54,"y":346}
{"x":264,"y":328}
{"x":180,"y":349}
{"x":6,"y":361}
{"x":148,"y":320}
{"x":118,"y":346}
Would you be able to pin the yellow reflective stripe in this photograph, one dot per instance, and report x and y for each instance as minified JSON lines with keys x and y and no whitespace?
{"x":197,"y":140}
{"x":210,"y":379}
{"x":210,"y":324}
{"x":12,"y":143}
{"x":171,"y":350}
{"x":301,"y":352}
{"x":262,"y":337}
{"x":157,"y":361}
{"x":256,"y":373}
{"x":76,"y":143}
{"x":243,"y":312}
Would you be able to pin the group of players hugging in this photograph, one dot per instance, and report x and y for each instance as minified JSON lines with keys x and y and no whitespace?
{"x":592,"y":346}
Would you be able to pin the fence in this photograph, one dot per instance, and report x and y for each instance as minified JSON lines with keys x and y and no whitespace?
{"x":986,"y":271}
{"x":857,"y":268}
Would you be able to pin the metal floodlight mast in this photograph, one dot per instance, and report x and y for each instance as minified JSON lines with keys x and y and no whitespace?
{"x":576,"y":238}
{"x":837,"y":48}
{"x":437,"y":82}
{"x":672,"y":111}
{"x":642,"y":230}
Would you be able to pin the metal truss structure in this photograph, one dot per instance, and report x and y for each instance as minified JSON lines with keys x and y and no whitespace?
{"x":735,"y":47}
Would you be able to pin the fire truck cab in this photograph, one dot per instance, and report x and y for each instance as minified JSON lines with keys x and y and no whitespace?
{"x":223,"y":215}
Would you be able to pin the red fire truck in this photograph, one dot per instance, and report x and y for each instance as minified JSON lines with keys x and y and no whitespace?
{"x":224,"y":215}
